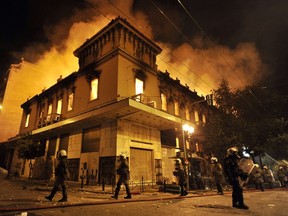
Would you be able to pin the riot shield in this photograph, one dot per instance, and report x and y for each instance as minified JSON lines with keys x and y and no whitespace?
{"x":246,"y":165}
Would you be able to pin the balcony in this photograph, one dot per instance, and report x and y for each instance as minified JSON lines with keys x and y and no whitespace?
{"x":49,"y":119}
{"x":145,"y":100}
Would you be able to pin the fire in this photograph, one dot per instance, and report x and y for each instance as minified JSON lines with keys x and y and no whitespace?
{"x":201,"y":67}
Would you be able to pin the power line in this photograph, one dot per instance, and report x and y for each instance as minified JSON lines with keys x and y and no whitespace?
{"x":169,"y":52}
{"x":225,"y":60}
{"x":188,"y":41}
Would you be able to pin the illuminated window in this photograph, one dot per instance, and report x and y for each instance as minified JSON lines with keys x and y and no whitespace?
{"x":27,"y":119}
{"x":177,"y":142}
{"x":94,"y":89}
{"x":139,"y":84}
{"x":163,"y":102}
{"x":49,"y":109}
{"x":204,"y":118}
{"x":59,"y":106}
{"x":187,"y":114}
{"x":70,"y":101}
{"x":139,"y":88}
{"x":196,"y":115}
{"x":176,"y":108}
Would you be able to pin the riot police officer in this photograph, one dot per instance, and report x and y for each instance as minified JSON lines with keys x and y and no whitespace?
{"x":124,"y":177}
{"x":235,"y":175}
{"x":217,"y":172}
{"x":61,"y":175}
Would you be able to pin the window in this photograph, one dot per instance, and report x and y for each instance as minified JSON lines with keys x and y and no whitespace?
{"x":41,"y":113}
{"x":27,"y":119}
{"x":49,"y":112}
{"x":163,"y":102}
{"x":94,"y":89}
{"x":139,"y":88}
{"x":196,"y":115}
{"x":70,"y":101}
{"x":59,"y":106}
{"x":204,"y":118}
{"x":176,"y":108}
{"x":91,"y":140}
{"x":187,"y":114}
{"x":177,"y":143}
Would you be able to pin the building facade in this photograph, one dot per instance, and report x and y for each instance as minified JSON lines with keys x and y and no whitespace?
{"x":117,"y":103}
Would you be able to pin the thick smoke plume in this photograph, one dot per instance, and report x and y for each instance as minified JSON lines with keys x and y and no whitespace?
{"x":201,"y":67}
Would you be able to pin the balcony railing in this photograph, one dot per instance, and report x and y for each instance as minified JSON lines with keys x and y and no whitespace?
{"x":49,"y":119}
{"x":145,"y":100}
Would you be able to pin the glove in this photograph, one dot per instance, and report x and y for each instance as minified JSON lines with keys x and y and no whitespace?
{"x":244,"y":176}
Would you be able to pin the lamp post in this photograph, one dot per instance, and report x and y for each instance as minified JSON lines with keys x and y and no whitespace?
{"x":188,"y":129}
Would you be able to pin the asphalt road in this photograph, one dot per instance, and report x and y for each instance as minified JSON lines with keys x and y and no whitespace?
{"x":272,"y":202}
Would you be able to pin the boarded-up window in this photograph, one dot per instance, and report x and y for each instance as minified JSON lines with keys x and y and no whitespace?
{"x":141,"y":165}
{"x":91,"y":140}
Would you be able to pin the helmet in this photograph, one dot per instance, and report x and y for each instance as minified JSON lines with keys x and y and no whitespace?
{"x":265,"y":167}
{"x":214,"y":160}
{"x":121,"y":158}
{"x":232,"y":150}
{"x":256,"y":165}
{"x":62,"y":153}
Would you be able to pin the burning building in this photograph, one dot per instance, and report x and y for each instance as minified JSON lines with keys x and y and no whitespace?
{"x":117,"y":103}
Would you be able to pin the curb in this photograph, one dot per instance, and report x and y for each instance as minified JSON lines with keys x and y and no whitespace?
{"x":108,"y":202}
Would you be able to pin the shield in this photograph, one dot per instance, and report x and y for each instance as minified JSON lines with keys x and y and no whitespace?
{"x":246,"y":165}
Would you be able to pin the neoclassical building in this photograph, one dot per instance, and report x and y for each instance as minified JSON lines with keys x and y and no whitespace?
{"x":117,"y":103}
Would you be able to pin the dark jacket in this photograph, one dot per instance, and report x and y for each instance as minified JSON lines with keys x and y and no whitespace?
{"x":62,"y":168}
{"x":180,"y":174}
{"x":232,"y":170}
{"x":123,"y":171}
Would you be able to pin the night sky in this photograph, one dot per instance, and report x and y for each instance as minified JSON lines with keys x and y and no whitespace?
{"x":31,"y":27}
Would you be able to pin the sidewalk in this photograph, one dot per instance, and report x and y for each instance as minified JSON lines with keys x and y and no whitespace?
{"x":20,"y":195}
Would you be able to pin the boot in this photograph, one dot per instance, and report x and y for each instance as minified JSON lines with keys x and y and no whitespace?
{"x":114,"y":197}
{"x":128,"y":192}
{"x":53,"y":192}
{"x":64,"y":193}
{"x":128,"y":197}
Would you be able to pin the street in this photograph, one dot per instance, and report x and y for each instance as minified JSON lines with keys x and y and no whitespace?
{"x":270,"y":202}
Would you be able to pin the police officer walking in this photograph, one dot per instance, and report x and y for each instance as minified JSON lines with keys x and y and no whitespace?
{"x":217,"y":172}
{"x":61,"y":175}
{"x":235,"y":175}
{"x":124,"y":177}
{"x":181,"y":177}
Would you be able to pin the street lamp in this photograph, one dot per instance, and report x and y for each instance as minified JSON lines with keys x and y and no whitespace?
{"x":188,"y":129}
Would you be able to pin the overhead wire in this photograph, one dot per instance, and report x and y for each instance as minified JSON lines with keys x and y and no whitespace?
{"x":225,"y":60}
{"x":188,"y":41}
{"x":169,"y":53}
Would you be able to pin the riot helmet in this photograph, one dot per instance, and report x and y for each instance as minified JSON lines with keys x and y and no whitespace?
{"x":62,"y":153}
{"x":214,"y":160}
{"x":233,"y":151}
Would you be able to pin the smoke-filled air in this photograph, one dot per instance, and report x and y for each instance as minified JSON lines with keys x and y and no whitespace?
{"x":201,"y":67}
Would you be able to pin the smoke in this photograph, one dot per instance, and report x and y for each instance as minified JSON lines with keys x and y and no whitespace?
{"x":204,"y":68}
{"x":201,"y":67}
